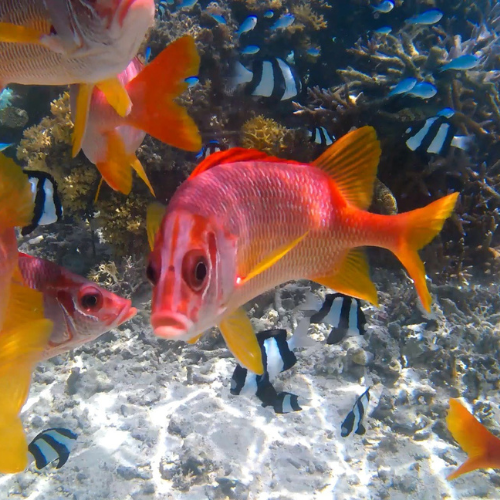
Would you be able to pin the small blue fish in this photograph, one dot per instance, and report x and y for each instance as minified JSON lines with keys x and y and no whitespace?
{"x":446,"y":112}
{"x":290,"y":58}
{"x":468,"y":61}
{"x":313,"y":52}
{"x":5,"y":145}
{"x":250,"y":50}
{"x":269,"y":14}
{"x":384,"y":7}
{"x":283,"y":22}
{"x":385,"y":30}
{"x":220,"y":19}
{"x":424,"y":90}
{"x":187,"y":4}
{"x":403,"y":86}
{"x":147,"y":54}
{"x":192,"y":80}
{"x":427,"y":18}
{"x":247,"y":25}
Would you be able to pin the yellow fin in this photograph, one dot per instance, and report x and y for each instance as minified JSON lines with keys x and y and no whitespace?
{"x":25,"y":305}
{"x":195,"y":339}
{"x":352,"y":164}
{"x":352,"y":278}
{"x":271,"y":259}
{"x":137,"y":166}
{"x":116,"y":169}
{"x":16,"y":198}
{"x":116,"y":95}
{"x":20,"y":349}
{"x":240,"y":338}
{"x":19,"y":34}
{"x":81,"y":115}
{"x":155,"y":214}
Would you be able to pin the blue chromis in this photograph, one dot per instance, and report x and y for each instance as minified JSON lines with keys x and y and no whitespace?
{"x":283,"y":22}
{"x":250,"y":50}
{"x":427,"y":18}
{"x":403,"y":86}
{"x":247,"y":25}
{"x":269,"y":14}
{"x":219,"y":18}
{"x":187,"y":4}
{"x":424,"y":90}
{"x":384,"y":30}
{"x":192,"y":80}
{"x":384,"y":7}
{"x":467,"y":61}
{"x":313,"y":51}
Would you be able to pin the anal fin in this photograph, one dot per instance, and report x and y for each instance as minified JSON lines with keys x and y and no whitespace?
{"x":81,"y":115}
{"x":116,"y":95}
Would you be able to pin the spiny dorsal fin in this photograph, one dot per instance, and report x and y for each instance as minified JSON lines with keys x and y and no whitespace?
{"x":235,"y":155}
{"x":352,"y":163}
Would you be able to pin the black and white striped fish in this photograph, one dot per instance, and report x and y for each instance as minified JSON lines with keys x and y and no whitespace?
{"x":277,"y":356}
{"x":435,"y":136}
{"x":270,"y":78}
{"x":48,"y":208}
{"x":321,"y":136}
{"x":354,"y":419}
{"x":52,"y":444}
{"x":209,"y":148}
{"x":161,"y":7}
{"x":344,"y":313}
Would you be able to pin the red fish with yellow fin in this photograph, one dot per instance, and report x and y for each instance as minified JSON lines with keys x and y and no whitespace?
{"x":245,"y":222}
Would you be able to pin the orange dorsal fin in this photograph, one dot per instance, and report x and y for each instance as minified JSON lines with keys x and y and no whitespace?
{"x":352,"y":162}
{"x":236,"y":155}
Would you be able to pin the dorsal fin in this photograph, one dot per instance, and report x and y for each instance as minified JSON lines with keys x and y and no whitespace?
{"x":352,"y":163}
{"x":235,"y":155}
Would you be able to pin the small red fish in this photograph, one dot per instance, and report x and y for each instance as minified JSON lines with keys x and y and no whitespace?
{"x":245,"y":222}
{"x":481,"y":446}
{"x":80,"y":309}
{"x":110,"y":140}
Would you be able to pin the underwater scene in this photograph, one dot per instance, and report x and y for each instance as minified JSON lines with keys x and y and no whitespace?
{"x":249,"y":249}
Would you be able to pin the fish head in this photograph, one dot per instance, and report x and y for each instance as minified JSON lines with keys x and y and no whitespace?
{"x":193,"y":271}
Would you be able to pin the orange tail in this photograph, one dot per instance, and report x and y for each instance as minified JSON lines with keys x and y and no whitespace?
{"x":481,"y":446}
{"x":153,"y":92}
{"x":415,"y":230}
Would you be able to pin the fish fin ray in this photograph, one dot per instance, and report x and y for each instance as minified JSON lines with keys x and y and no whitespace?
{"x":418,"y":228}
{"x":24,"y":304}
{"x":195,"y":339}
{"x":153,"y":91}
{"x":137,"y":166}
{"x":154,"y":216}
{"x":352,"y":162}
{"x":116,"y":95}
{"x":352,"y":277}
{"x":241,"y":340}
{"x":81,"y":115}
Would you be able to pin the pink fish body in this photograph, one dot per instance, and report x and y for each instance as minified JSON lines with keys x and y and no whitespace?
{"x":80,"y":309}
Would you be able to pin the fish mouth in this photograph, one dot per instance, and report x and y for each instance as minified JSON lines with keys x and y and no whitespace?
{"x":125,"y":314}
{"x":171,"y":326}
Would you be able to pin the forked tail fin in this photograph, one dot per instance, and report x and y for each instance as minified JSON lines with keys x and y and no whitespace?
{"x":416,"y":229}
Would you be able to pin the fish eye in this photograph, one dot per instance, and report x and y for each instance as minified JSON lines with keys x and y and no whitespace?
{"x":195,"y":269}
{"x":152,"y":274}
{"x":90,"y":299}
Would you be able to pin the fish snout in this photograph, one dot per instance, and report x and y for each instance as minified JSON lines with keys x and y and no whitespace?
{"x":171,"y":325}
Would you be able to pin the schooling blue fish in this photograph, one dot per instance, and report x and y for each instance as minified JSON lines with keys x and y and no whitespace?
{"x":313,"y":51}
{"x":247,"y":25}
{"x":187,"y":4}
{"x":464,"y":62}
{"x":385,"y":30}
{"x":52,"y":444}
{"x":147,"y":54}
{"x":284,"y":21}
{"x":5,"y":145}
{"x":354,"y":419}
{"x":269,"y":14}
{"x":384,"y":7}
{"x":427,"y":18}
{"x":423,"y":90}
{"x":219,"y":18}
{"x":250,"y":50}
{"x":403,"y":86}
{"x":192,"y":80}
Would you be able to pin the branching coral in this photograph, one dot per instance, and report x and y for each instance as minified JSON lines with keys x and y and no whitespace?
{"x":266,"y":135}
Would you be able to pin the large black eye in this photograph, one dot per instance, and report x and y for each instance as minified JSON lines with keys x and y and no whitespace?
{"x":152,"y":274}
{"x":195,"y":269}
{"x":90,"y":299}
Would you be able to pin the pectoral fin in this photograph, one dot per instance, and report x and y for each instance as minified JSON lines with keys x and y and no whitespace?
{"x":117,"y":95}
{"x":240,"y":338}
{"x":155,"y":214}
{"x":271,"y":259}
{"x":81,"y":115}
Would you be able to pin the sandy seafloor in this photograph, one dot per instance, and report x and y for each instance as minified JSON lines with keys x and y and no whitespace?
{"x":155,"y":419}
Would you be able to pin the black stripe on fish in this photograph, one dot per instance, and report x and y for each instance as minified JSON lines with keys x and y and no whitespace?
{"x":279,"y":337}
{"x":52,"y":444}
{"x":286,"y":402}
{"x":354,"y":419}
{"x":48,"y":207}
{"x":321,"y":136}
{"x":434,"y":136}
{"x":344,"y":313}
{"x":161,"y":8}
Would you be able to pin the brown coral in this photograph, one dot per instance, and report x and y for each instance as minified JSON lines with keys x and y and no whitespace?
{"x":266,"y":135}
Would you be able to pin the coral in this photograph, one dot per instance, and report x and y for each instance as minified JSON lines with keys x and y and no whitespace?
{"x":265,"y":134}
{"x":305,"y":14}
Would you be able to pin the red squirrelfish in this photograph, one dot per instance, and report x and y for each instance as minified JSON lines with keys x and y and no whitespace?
{"x":110,"y":141}
{"x":62,"y":42}
{"x":245,"y":222}
{"x":481,"y":446}
{"x":24,"y":332}
{"x":80,"y":309}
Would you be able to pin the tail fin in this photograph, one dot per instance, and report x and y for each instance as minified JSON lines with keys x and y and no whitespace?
{"x":21,"y":346}
{"x":481,"y":446}
{"x":418,"y":228}
{"x":16,"y":199}
{"x":153,"y":92}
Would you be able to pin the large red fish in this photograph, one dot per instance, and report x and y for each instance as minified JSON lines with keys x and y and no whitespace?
{"x":110,"y":141}
{"x":62,"y":42}
{"x":245,"y":222}
{"x":80,"y":309}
